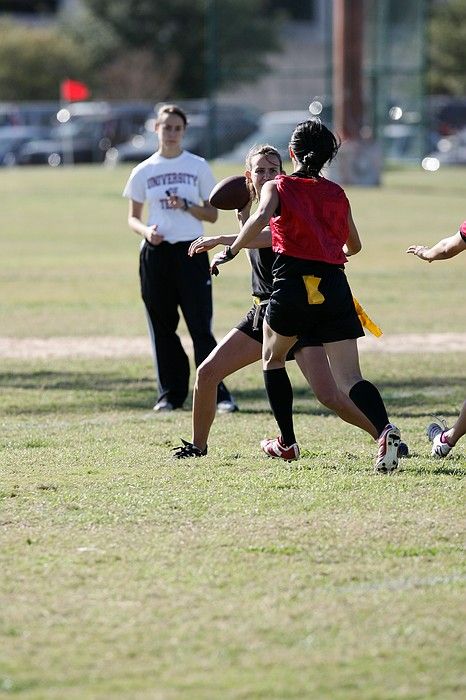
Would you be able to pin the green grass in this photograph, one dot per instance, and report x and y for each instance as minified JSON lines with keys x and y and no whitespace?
{"x":70,"y":263}
{"x":125,"y":574}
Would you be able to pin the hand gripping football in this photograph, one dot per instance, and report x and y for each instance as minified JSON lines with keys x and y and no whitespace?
{"x":230,"y":193}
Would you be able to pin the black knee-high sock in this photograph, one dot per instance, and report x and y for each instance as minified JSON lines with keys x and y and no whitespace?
{"x":367,"y":398}
{"x":280,"y":394}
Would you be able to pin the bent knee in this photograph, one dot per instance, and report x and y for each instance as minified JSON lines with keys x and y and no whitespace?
{"x":208,"y":372}
{"x":329,"y":397}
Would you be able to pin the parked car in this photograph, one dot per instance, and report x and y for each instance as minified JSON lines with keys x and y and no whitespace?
{"x":84,"y":138}
{"x":275,"y":128}
{"x":447,"y":114}
{"x":29,"y":113}
{"x":13,"y":138}
{"x":226,"y":126}
{"x":135,"y":150}
{"x":451,"y":150}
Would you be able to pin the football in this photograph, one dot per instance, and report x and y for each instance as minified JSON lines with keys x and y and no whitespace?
{"x":230,"y":193}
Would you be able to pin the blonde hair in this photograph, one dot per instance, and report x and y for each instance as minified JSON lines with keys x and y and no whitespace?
{"x":263,"y":149}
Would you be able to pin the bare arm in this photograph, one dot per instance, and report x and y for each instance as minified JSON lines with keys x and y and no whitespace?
{"x":263,"y":239}
{"x":138,"y":226}
{"x":353,"y":245}
{"x":444,"y":249}
{"x":268,"y":204}
{"x":203,"y":243}
{"x":203,"y":212}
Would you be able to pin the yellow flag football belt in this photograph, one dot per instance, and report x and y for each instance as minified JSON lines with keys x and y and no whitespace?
{"x":363,"y":316}
{"x":366,"y":321}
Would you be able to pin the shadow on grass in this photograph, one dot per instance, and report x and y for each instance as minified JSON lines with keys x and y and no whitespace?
{"x":69,"y":391}
{"x":416,"y":400}
{"x":48,"y":391}
{"x":454,"y":466}
{"x":74,"y":381}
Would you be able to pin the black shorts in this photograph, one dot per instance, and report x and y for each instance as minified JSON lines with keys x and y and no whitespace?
{"x":247,"y":325}
{"x":312,"y":300}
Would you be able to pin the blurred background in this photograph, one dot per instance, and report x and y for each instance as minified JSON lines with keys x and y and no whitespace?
{"x":80,"y":80}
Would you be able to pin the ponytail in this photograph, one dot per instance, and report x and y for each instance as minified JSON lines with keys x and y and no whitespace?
{"x":313,"y":145}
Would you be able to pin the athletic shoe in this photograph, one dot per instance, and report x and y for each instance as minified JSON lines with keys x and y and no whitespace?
{"x":163,"y":406}
{"x":187,"y":449}
{"x":435,"y":433}
{"x":275,"y":448}
{"x":387,"y":455}
{"x":403,"y":450}
{"x":227,"y":406}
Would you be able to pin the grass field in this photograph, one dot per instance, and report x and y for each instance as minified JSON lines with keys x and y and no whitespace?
{"x":125,"y":574}
{"x":69,"y":261}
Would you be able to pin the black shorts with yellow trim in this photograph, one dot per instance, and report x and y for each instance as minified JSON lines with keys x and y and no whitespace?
{"x":314,"y":301}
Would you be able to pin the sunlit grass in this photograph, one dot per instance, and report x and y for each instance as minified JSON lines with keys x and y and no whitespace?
{"x":70,"y":263}
{"x":127,"y":574}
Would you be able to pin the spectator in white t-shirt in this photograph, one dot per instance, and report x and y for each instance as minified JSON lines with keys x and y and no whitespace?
{"x":176,"y":185}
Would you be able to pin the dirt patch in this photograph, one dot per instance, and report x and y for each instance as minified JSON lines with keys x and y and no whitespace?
{"x":109,"y":346}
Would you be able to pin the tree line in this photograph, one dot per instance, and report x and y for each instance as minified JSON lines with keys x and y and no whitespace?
{"x":127,"y":49}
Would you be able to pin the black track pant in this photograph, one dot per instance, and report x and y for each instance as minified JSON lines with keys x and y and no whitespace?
{"x":171,"y":280}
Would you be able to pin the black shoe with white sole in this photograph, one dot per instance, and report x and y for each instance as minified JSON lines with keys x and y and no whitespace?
{"x":187,"y":449}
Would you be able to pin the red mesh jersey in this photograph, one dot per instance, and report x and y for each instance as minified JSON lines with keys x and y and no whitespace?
{"x":313,"y":220}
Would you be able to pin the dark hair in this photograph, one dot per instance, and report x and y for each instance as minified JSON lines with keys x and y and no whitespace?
{"x":313,"y":146}
{"x":173,"y":109}
{"x":263,"y":149}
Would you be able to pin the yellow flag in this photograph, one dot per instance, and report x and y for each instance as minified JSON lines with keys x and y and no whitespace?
{"x":366,"y":321}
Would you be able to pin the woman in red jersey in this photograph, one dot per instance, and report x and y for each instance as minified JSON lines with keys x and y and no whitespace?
{"x":312,"y":227}
{"x":243,"y":344}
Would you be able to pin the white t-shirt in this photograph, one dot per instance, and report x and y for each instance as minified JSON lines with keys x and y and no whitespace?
{"x":187,"y":176}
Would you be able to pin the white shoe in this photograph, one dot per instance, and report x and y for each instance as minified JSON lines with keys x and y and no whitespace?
{"x":227,"y":407}
{"x":435,"y":433}
{"x":163,"y":406}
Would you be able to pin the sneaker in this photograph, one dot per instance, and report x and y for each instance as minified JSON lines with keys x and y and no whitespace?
{"x":387,"y":455}
{"x":163,"y":406}
{"x":403,"y":450}
{"x":274,"y":447}
{"x":227,"y":406}
{"x":187,"y":449}
{"x":436,"y":434}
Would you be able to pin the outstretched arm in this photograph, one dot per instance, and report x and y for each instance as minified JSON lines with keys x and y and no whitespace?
{"x":203,"y":243}
{"x":254,"y":231}
{"x":269,"y":202}
{"x":444,"y":249}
